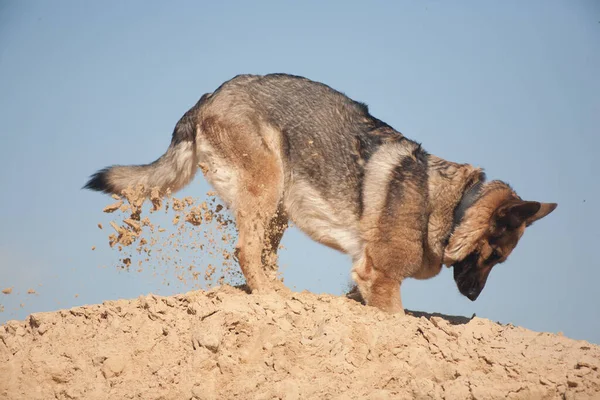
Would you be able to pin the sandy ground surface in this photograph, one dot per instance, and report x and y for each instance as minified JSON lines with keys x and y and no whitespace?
{"x":224,"y":343}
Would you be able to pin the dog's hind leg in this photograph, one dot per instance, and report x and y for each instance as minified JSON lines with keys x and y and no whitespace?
{"x":256,"y":204}
{"x":242,"y":161}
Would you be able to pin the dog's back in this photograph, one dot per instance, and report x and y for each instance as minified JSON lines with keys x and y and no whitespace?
{"x":322,"y":132}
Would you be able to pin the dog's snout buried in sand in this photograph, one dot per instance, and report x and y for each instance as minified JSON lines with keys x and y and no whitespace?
{"x":280,"y":147}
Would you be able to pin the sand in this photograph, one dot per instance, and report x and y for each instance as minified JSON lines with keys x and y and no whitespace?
{"x":192,"y":232}
{"x":224,"y":343}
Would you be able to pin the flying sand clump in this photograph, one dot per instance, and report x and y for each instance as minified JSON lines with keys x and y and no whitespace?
{"x":203,"y":229}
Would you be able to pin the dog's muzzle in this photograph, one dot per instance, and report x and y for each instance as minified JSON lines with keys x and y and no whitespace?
{"x":468,"y":278}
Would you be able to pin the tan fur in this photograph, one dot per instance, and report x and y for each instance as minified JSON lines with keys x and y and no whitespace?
{"x":477,"y":222}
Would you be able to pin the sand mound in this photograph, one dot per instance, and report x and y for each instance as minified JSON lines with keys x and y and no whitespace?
{"x":225,"y":343}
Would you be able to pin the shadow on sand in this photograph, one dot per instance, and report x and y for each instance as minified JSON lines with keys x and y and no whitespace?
{"x":355,"y":295}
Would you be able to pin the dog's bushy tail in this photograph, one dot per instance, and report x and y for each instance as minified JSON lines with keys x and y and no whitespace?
{"x":173,"y":170}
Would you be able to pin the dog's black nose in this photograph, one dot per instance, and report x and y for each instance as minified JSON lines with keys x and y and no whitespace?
{"x":472,"y":294}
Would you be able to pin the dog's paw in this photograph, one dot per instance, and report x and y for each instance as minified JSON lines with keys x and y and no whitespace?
{"x":279,"y":287}
{"x":272,"y":287}
{"x":398,"y":311}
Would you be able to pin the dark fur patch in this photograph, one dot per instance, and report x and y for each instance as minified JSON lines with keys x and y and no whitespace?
{"x":361,"y":186}
{"x":395,"y":192}
{"x":469,"y":197}
{"x":99,"y":181}
{"x":285,"y":145}
{"x":364,"y":107}
{"x":413,"y":169}
{"x":185,"y":129}
{"x":420,"y":154}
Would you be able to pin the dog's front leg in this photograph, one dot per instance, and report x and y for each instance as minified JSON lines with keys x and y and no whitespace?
{"x":377,"y":286}
{"x":382,"y":268}
{"x":385,"y":293}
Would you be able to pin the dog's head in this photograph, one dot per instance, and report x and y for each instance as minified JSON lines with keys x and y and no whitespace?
{"x":487,"y":233}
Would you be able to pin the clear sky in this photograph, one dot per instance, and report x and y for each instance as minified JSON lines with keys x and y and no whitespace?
{"x":511,"y":86}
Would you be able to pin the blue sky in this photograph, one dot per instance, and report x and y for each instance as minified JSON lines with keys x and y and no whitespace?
{"x":510,"y":86}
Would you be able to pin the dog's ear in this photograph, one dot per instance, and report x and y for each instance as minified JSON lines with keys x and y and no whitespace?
{"x":514,"y":214}
{"x":545,"y":209}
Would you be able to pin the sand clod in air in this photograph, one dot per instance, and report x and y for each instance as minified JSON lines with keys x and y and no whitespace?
{"x":191,"y":236}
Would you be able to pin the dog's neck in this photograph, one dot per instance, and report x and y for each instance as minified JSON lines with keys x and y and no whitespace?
{"x":453,"y":189}
{"x":469,"y":197}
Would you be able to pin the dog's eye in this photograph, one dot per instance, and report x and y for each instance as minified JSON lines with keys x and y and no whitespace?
{"x":495,"y":256}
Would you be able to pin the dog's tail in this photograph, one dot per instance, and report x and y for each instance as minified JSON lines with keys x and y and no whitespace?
{"x":173,"y":170}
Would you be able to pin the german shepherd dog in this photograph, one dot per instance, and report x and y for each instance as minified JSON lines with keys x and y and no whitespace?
{"x":280,"y":147}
